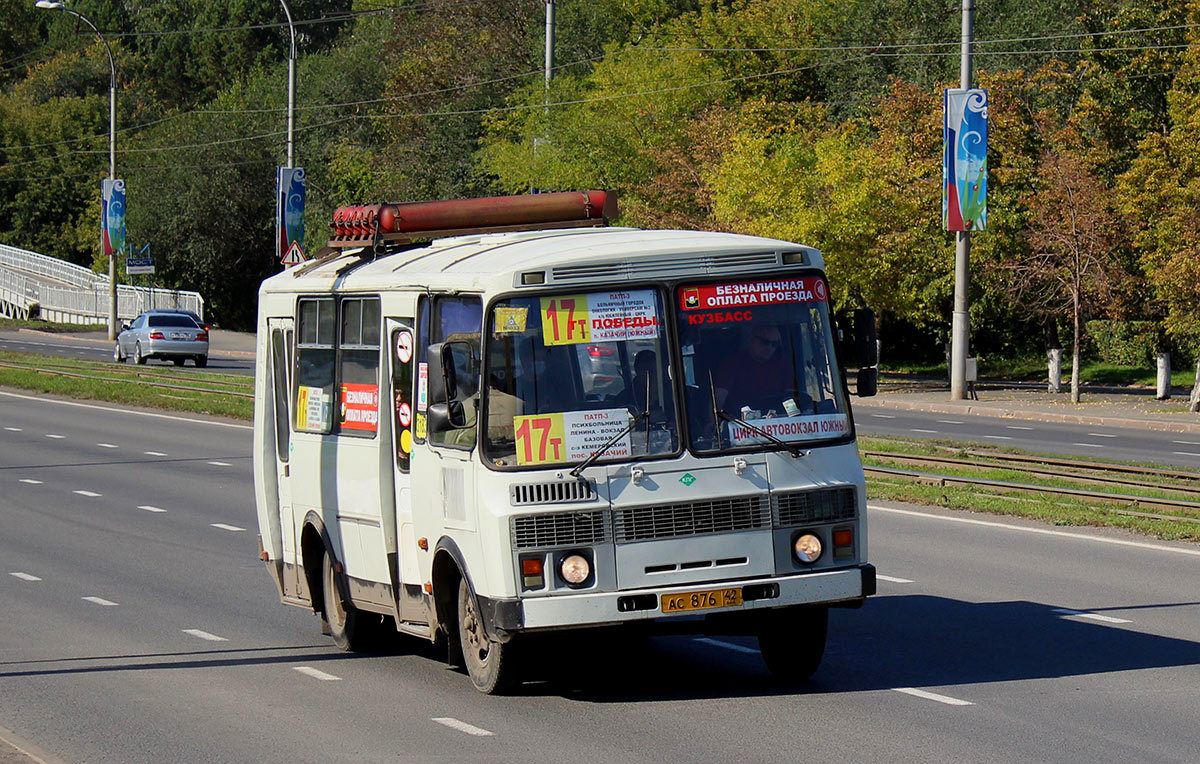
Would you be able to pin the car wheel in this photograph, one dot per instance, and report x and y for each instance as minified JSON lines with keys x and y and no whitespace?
{"x":117,"y":357}
{"x":178,"y":361}
{"x":793,"y":643}
{"x":137,"y":354}
{"x":201,"y":361}
{"x":491,"y":665}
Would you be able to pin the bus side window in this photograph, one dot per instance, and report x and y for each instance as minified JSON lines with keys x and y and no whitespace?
{"x":358,"y":404}
{"x":461,"y":319}
{"x":314,"y":372}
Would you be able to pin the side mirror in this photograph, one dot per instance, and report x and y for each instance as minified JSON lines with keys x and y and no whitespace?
{"x":446,"y":416}
{"x":443,"y":376}
{"x":867,"y":382}
{"x":124,"y":327}
{"x":865,"y":348}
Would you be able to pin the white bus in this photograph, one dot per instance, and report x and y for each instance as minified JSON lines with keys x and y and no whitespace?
{"x":534,"y":422}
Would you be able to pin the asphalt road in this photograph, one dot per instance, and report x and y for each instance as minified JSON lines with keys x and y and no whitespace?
{"x":72,"y":347}
{"x":1082,"y":440}
{"x":139,"y":626}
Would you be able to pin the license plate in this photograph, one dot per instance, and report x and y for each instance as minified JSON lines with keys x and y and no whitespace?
{"x":703,"y":600}
{"x":178,"y":336}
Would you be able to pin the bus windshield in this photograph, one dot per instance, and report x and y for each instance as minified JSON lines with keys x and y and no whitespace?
{"x":760,"y":352}
{"x":567,"y":373}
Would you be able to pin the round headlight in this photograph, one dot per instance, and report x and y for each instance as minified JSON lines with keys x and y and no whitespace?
{"x":575,"y":569}
{"x":807,"y":548}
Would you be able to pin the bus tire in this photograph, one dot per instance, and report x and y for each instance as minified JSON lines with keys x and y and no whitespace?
{"x":793,"y":642}
{"x":491,"y":665}
{"x":342,"y":619}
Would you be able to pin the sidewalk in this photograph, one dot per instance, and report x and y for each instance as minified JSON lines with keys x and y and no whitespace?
{"x":1108,"y":406}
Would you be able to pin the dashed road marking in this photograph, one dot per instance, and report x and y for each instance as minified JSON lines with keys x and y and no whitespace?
{"x":727,"y":645}
{"x":1101,"y":435}
{"x":13,"y":429}
{"x":54,"y":436}
{"x":224,"y":527}
{"x":884,"y":416}
{"x":1091,"y":616}
{"x":948,"y":421}
{"x":108,"y":445}
{"x":893,"y":579}
{"x":31,"y":481}
{"x":998,"y":437}
{"x":24,"y":576}
{"x":89,"y":494}
{"x":1042,"y":531}
{"x":1089,"y":445}
{"x":1016,"y":427}
{"x":461,"y":726}
{"x":1184,"y":453}
{"x":204,"y":635}
{"x":151,"y":508}
{"x":932,"y":696}
{"x":100,"y":601}
{"x":317,"y":674}
{"x":154,"y":453}
{"x":931,"y":432}
{"x":221,"y":464}
{"x":1180,"y":442}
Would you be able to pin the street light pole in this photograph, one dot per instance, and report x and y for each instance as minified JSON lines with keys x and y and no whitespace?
{"x":58,"y":5}
{"x":291,"y":108}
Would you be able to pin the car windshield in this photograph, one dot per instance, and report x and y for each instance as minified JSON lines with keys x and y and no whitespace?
{"x":171,"y":320}
{"x":567,"y":373}
{"x":760,"y":352}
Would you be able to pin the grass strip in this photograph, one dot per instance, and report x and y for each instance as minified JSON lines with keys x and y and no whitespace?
{"x":169,"y":374}
{"x":50,"y":326}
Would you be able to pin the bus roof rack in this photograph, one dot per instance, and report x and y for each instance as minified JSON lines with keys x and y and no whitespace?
{"x":376,"y":226}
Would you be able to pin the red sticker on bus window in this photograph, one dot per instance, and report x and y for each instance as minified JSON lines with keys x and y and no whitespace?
{"x":748,"y":294}
{"x":360,"y":407}
{"x":404,"y":414}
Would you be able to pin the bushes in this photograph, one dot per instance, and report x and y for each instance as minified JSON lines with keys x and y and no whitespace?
{"x":1125,"y":343}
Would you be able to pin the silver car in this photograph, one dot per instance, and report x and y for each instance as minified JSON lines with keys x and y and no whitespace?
{"x":166,"y":334}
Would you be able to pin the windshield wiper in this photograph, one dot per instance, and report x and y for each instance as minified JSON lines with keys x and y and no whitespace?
{"x":578,"y":469}
{"x":792,"y":448}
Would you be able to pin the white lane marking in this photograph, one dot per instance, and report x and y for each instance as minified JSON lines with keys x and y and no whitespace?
{"x":107,"y":445}
{"x":1180,"y":442}
{"x":1016,"y":427}
{"x":100,"y":601}
{"x":884,"y":416}
{"x":1042,"y":531}
{"x":31,"y":481}
{"x":948,"y":421}
{"x":932,"y":696}
{"x":317,"y":674}
{"x":893,"y":579}
{"x":998,"y":437}
{"x":1101,"y":435}
{"x":931,"y":432}
{"x":54,"y":436}
{"x":204,"y":635}
{"x":1092,"y":616}
{"x":1089,"y":445}
{"x":18,"y":429}
{"x":1184,"y":453}
{"x":727,"y":645}
{"x":154,"y":453}
{"x":461,"y":726}
{"x":150,"y":508}
{"x":221,"y":464}
{"x":127,"y":411}
{"x":225,"y":527}
{"x":89,"y":494}
{"x":25,"y":576}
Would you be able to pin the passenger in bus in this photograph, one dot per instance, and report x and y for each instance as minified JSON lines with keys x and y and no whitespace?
{"x":757,"y":374}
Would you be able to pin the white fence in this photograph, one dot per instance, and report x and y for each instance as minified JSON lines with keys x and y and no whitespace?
{"x":78,"y":296}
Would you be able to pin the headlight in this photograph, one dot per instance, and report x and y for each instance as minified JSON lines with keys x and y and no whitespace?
{"x":575,"y":569}
{"x":807,"y":548}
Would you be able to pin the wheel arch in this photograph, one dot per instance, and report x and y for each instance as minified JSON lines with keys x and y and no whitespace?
{"x":449,"y":567}
{"x":314,"y":545}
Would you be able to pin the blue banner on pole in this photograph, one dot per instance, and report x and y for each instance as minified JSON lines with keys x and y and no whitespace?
{"x":112,"y":216}
{"x":964,"y":166}
{"x":289,"y":206}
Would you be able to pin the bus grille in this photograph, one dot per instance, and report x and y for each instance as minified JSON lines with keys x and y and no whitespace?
{"x":826,"y":505}
{"x":559,"y":529}
{"x":692,"y":519}
{"x":551,"y":493}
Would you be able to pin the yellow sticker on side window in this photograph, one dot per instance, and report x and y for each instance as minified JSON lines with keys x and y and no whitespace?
{"x":511,"y":320}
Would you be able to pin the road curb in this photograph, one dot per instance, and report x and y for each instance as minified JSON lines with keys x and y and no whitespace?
{"x":1032,"y":415}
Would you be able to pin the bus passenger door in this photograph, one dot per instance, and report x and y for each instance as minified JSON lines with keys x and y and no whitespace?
{"x":281,"y":330}
{"x":402,"y":345}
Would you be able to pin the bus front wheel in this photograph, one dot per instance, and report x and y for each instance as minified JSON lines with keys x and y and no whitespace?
{"x":491,"y":665}
{"x":793,"y":642}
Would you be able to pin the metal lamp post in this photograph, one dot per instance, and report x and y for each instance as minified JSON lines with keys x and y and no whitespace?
{"x":291,"y":108}
{"x":58,"y":5}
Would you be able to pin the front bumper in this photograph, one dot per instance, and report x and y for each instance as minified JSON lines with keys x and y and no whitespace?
{"x":845,"y":586}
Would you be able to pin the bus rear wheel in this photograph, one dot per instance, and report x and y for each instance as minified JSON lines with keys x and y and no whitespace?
{"x":341,"y":618}
{"x":793,"y":642}
{"x":491,"y":665}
